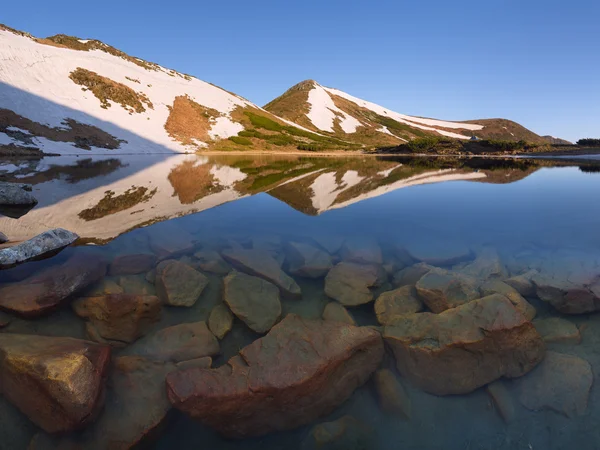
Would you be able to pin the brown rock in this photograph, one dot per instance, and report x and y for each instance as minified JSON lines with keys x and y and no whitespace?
{"x":132,"y":264}
{"x":300,"y":371}
{"x":499,"y":287}
{"x":565,"y":295}
{"x":487,"y":265}
{"x":202,"y":363}
{"x":105,"y":287}
{"x":560,"y":383}
{"x":5,"y":320}
{"x":136,"y":284}
{"x":392,"y":396}
{"x":398,"y":302}
{"x":261,"y":264}
{"x":57,"y":382}
{"x":253,"y":300}
{"x":177,"y":284}
{"x":441,"y":289}
{"x":210,"y":261}
{"x":118,"y":319}
{"x":45,"y":291}
{"x":337,"y":313}
{"x":177,"y":343}
{"x":523,"y":284}
{"x":502,"y":400}
{"x":346,"y":433}
{"x":464,"y":348}
{"x":220,"y":320}
{"x":437,"y":253}
{"x":410,"y":275}
{"x":557,"y":330}
{"x":308,"y":261}
{"x":362,"y":251}
{"x":349,"y":283}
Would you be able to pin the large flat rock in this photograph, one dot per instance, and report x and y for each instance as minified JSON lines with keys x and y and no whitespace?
{"x":57,"y":382}
{"x":308,"y":261}
{"x":45,"y":244}
{"x":300,"y":371}
{"x":16,"y":194}
{"x":464,"y":348}
{"x":177,"y":284}
{"x":442,"y":289}
{"x":350,"y":283}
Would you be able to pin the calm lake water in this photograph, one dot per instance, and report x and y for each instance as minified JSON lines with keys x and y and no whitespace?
{"x":439,"y":234}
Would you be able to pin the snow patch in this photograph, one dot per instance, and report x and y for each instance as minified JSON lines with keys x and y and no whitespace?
{"x":386,"y":173}
{"x":224,"y":127}
{"x":323,"y":112}
{"x":5,"y":139}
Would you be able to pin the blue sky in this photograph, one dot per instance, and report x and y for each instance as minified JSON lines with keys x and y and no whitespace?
{"x":536,"y":62}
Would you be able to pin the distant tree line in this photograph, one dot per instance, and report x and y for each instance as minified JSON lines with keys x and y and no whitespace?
{"x":589,"y":142}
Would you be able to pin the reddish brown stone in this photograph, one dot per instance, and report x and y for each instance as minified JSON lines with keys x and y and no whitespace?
{"x":301,"y":370}
{"x":57,"y":382}
{"x":45,"y":291}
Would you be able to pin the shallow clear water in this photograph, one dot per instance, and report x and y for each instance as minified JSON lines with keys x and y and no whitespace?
{"x":526,"y":214}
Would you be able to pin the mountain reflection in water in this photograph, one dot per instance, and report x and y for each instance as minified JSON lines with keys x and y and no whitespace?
{"x":342,"y":302}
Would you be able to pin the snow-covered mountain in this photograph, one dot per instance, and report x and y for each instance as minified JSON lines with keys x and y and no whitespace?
{"x":335,"y":112}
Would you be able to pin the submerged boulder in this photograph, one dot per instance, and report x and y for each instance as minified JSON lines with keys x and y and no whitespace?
{"x":308,"y":261}
{"x":261,"y":264}
{"x":210,"y":261}
{"x":362,"y":251}
{"x":57,"y":382}
{"x":253,"y":300}
{"x":568,"y":295}
{"x":558,"y":330}
{"x":16,"y":194}
{"x":398,"y":302}
{"x":391,"y":395}
{"x":350,"y":283}
{"x":118,"y":319}
{"x":336,"y":312}
{"x":436,"y":253}
{"x":346,"y":433}
{"x":177,"y":284}
{"x":300,"y":371}
{"x":45,"y":244}
{"x":442,"y":289}
{"x":464,"y":348}
{"x":132,"y":264}
{"x":45,"y":291}
{"x":220,"y":320}
{"x":499,"y":287}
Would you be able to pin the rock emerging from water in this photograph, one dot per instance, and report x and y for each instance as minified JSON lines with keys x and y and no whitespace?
{"x":45,"y":244}
{"x":118,"y":319}
{"x":177,"y":284}
{"x":464,"y":348}
{"x":442,"y":289}
{"x":16,"y":194}
{"x":350,"y":283}
{"x":308,"y":261}
{"x":300,"y":371}
{"x":253,"y":300}
{"x":261,"y":264}
{"x":45,"y":291}
{"x":57,"y":382}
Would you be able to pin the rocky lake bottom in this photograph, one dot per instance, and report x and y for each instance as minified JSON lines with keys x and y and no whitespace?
{"x":304,"y":303}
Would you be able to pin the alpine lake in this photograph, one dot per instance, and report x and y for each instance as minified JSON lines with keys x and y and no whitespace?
{"x":297,"y":302}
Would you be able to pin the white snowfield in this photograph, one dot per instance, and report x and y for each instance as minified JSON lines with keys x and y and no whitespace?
{"x":35,"y":83}
{"x":323,"y":112}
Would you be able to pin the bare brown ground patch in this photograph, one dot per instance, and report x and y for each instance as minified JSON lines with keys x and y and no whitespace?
{"x":293,"y":104}
{"x":191,"y":182}
{"x":189,"y":121}
{"x":81,"y":135}
{"x":112,"y":204}
{"x":106,"y":89}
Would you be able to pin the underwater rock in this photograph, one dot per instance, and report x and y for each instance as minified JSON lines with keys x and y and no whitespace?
{"x":178,"y":343}
{"x":435,"y":253}
{"x":567,"y":296}
{"x":177,"y":284}
{"x":487,"y":265}
{"x":398,"y":302}
{"x":45,"y":244}
{"x":45,"y":291}
{"x":331,"y":243}
{"x":5,"y":320}
{"x":261,"y":264}
{"x":442,"y":289}
{"x":391,"y":395}
{"x":464,"y":348}
{"x":16,"y":194}
{"x":349,"y":283}
{"x":300,"y":371}
{"x":106,"y":286}
{"x":557,"y":330}
{"x":502,"y":400}
{"x":132,"y":264}
{"x":253,"y":300}
{"x":220,"y":320}
{"x":410,"y":275}
{"x":136,"y":284}
{"x":307,"y":261}
{"x":362,"y":251}
{"x":346,"y":433}
{"x":57,"y":382}
{"x":118,"y":319}
{"x":337,"y":313}
{"x":212,"y":262}
{"x":171,"y":242}
{"x":523,"y":284}
{"x":499,"y":287}
{"x":560,"y":383}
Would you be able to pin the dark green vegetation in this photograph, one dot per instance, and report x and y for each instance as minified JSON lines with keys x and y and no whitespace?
{"x":112,"y":205}
{"x":588,"y":142}
{"x":446,"y":146}
{"x":106,"y":89}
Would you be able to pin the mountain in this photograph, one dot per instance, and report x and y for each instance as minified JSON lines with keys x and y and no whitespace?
{"x":556,"y":141}
{"x":336,"y":113}
{"x":67,"y":95}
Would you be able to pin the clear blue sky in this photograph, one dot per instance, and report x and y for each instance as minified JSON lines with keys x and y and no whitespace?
{"x":533,"y":61}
